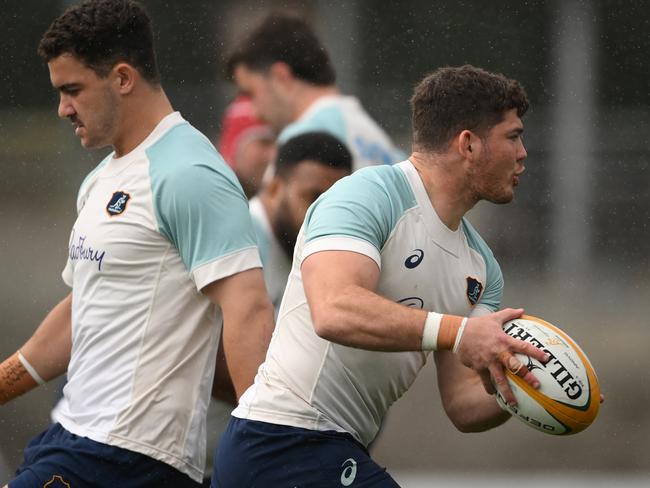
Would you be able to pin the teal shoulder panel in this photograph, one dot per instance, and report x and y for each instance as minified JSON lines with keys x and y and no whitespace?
{"x":366,"y":205}
{"x":328,"y":120}
{"x":493,"y":293}
{"x":199,"y":204}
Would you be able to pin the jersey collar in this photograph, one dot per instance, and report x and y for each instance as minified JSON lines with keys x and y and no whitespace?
{"x":443,"y":236}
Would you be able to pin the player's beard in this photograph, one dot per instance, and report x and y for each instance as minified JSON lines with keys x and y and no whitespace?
{"x":101,"y":128}
{"x":490,"y":183}
{"x":285,"y":231}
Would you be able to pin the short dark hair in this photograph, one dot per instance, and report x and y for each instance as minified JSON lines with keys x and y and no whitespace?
{"x":319,"y":147}
{"x":453,"y":99}
{"x":285,"y":38}
{"x":102,"y":33}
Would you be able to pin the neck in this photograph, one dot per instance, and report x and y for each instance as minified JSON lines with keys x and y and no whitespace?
{"x":306,"y":95}
{"x":444,"y":180}
{"x":142,"y":111}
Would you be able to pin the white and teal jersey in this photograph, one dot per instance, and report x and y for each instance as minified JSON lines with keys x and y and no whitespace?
{"x":344,"y":117}
{"x":154,"y":227}
{"x":383,"y":212}
{"x":275,"y":260}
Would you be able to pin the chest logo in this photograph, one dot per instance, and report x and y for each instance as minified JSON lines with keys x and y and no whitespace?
{"x":474,"y":290}
{"x":414,"y":259}
{"x":117,"y":204}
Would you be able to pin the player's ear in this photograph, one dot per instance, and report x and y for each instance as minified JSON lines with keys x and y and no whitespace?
{"x":468,"y":145}
{"x":281,"y":71}
{"x":125,"y":76}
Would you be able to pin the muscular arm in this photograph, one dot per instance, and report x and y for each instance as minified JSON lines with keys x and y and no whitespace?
{"x":345,"y":308}
{"x":340,"y":288}
{"x":247,"y":324}
{"x":47,"y":351}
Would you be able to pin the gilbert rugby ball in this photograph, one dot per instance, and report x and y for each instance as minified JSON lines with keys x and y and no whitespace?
{"x":568,"y":398}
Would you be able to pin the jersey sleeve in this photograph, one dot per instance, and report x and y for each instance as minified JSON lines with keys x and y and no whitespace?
{"x":203,"y":211}
{"x":357,"y":214}
{"x":492,"y":295}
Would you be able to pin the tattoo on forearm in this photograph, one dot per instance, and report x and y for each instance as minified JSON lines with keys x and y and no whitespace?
{"x":14,"y":379}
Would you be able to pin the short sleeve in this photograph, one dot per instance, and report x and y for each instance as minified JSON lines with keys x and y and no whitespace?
{"x":203,"y":212}
{"x":358,"y":213}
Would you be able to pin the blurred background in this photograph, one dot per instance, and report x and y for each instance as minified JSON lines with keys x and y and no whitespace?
{"x":572,"y":246}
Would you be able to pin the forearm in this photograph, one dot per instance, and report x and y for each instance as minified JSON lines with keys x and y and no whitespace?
{"x":222,"y":387}
{"x":245,"y":340}
{"x":49,"y":349}
{"x":467,"y":404}
{"x":358,"y":317}
{"x":44,"y":356}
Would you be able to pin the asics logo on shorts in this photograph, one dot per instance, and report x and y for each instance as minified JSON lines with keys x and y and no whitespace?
{"x":56,"y":482}
{"x":349,"y":472}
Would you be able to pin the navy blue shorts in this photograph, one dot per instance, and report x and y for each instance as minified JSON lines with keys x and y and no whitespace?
{"x":58,"y":459}
{"x":261,"y":455}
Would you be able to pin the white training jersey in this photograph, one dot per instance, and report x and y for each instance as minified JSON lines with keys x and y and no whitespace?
{"x":154,"y":227}
{"x":277,"y":264}
{"x":344,"y":117}
{"x":383,"y":212}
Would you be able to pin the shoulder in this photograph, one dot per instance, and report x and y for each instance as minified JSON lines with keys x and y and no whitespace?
{"x":186,"y":158}
{"x":325,"y":114}
{"x":374,"y":186}
{"x":367,"y":204}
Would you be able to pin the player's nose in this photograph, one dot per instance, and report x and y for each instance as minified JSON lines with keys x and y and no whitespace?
{"x":521,"y":152}
{"x":65,"y":107}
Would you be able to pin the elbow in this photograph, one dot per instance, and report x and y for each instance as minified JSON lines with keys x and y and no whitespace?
{"x":464,"y":417}
{"x":325,"y":321}
{"x":460,"y":420}
{"x":466,"y":427}
{"x":470,"y":421}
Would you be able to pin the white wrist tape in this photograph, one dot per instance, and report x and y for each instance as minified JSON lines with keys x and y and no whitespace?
{"x":30,"y":369}
{"x":459,"y":335}
{"x":430,"y":332}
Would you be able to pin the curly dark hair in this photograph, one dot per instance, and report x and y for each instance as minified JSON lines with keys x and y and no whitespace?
{"x":320,"y":147}
{"x":453,"y":99}
{"x":102,"y":33}
{"x":285,"y":38}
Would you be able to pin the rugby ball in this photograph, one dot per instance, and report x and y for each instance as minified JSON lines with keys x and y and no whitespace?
{"x":568,"y":399}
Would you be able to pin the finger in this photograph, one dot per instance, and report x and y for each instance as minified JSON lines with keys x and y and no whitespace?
{"x":517,"y":345}
{"x":602,"y":398}
{"x":501,"y":384}
{"x":487,"y":382}
{"x":509,"y":314}
{"x":531,"y":379}
{"x":515,"y":366}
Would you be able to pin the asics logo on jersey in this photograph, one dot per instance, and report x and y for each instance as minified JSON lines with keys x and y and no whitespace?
{"x":474,"y":290}
{"x":349,"y":472}
{"x":413,"y":302}
{"x":414,"y":259}
{"x":117,"y":203}
{"x":56,"y":482}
